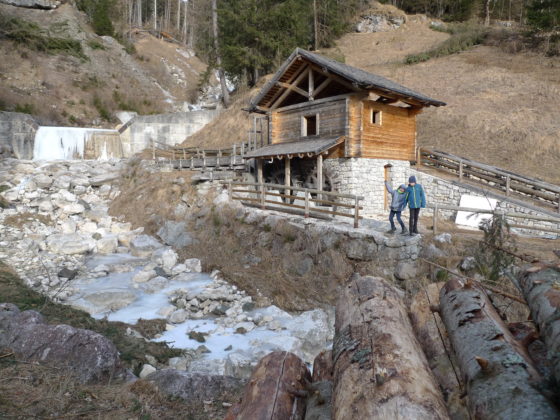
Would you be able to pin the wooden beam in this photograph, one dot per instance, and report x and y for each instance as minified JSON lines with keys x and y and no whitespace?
{"x":288,"y":91}
{"x":260,"y":171}
{"x":320,"y":173}
{"x":336,"y":78}
{"x":322,"y":86}
{"x":311,"y":85}
{"x":296,"y":74}
{"x":294,"y":88}
{"x":287,"y":174}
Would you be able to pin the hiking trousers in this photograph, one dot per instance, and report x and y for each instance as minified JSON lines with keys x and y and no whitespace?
{"x":413,"y":220}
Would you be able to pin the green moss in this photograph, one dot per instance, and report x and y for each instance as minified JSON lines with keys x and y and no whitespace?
{"x":95,"y":45}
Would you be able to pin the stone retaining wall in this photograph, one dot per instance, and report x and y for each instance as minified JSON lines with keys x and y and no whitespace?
{"x":17,"y":135}
{"x":365,"y":177}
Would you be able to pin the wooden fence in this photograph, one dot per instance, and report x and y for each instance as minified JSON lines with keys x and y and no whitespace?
{"x":259,"y":194}
{"x":538,"y":192}
{"x":198,"y":158}
{"x":437,"y":207}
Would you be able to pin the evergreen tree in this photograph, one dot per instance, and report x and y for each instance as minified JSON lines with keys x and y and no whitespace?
{"x":544,"y":15}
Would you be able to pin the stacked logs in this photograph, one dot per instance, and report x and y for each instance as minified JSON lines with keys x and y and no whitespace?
{"x":378,"y":370}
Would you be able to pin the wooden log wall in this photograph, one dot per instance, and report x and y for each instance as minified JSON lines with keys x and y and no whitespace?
{"x":502,"y":382}
{"x":393,"y":138}
{"x":380,"y":371}
{"x":286,"y":124}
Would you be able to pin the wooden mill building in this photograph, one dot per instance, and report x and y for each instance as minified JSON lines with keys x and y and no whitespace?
{"x":332,"y":126}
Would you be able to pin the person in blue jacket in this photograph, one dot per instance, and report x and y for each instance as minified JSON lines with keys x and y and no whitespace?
{"x":416,"y":200}
{"x":398,"y":203}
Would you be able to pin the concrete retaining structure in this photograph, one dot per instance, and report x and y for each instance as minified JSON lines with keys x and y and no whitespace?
{"x":17,"y":135}
{"x":169,"y":129}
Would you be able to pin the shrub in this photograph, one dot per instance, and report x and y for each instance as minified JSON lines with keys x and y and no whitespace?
{"x":25,"y":108}
{"x":463,"y":36}
{"x":95,"y":45}
{"x":101,"y":108}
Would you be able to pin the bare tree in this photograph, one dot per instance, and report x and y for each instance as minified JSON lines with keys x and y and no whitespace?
{"x":225,"y":93}
{"x":155,"y":15}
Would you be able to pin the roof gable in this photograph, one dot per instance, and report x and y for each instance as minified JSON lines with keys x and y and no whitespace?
{"x":292,"y":72}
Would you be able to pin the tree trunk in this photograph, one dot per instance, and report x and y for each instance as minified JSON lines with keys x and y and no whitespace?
{"x":430,"y":331}
{"x":487,"y":12}
{"x":542,"y":293}
{"x":499,"y":374}
{"x":155,"y":15}
{"x":225,"y":92}
{"x":276,"y":391}
{"x":380,"y":371}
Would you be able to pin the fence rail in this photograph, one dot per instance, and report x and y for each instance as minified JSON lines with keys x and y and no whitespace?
{"x":198,"y":158}
{"x":313,"y":203}
{"x":437,"y":207}
{"x":538,"y":192}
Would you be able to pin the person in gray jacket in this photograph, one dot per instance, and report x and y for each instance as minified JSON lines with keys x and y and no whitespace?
{"x":398,"y":203}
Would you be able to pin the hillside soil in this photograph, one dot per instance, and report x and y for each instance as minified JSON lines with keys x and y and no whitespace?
{"x":59,"y":88}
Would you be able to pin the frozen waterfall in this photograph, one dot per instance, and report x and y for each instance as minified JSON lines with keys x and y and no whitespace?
{"x":67,"y":143}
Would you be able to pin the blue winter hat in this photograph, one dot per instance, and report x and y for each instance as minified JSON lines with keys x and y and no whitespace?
{"x":412,"y":179}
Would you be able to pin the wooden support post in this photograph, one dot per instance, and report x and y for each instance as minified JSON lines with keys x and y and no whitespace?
{"x":461,"y":170}
{"x":508,"y":182}
{"x":230,"y":190}
{"x":263,"y":195}
{"x":306,"y":214}
{"x":180,"y":164}
{"x":419,"y":156}
{"x":320,"y":175}
{"x":260,"y":178}
{"x":287,"y":174}
{"x":356,"y":212}
{"x":311,"y":86}
{"x":192,"y":162}
{"x":184,"y":154}
{"x":242,"y":149}
{"x":435,"y":218}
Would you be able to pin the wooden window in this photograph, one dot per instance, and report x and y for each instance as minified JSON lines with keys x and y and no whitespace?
{"x":375,"y":117}
{"x":310,"y":125}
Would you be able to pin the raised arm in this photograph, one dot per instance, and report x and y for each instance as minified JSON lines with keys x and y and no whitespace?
{"x":388,"y":186}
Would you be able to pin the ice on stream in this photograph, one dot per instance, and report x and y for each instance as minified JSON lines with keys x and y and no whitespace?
{"x":117,"y":297}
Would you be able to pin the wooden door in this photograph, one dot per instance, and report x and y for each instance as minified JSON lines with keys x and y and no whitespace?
{"x":387,"y":175}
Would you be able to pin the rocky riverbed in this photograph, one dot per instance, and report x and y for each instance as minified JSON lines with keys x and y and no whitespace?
{"x":55,"y":231}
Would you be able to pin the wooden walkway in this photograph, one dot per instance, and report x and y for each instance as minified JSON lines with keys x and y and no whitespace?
{"x":510,"y":184}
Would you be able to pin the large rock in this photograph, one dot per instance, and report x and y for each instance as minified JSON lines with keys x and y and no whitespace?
{"x":406,"y":270}
{"x":175,"y":234}
{"x":92,"y":357}
{"x":144,"y":245}
{"x":71,"y":243}
{"x":104,"y":178}
{"x":194,"y":387}
{"x":109,"y":300}
{"x":107,"y":245}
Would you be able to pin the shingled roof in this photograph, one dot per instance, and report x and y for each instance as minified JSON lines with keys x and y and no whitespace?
{"x":359,"y":78}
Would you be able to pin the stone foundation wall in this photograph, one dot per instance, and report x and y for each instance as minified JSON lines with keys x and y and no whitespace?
{"x":444,"y":192}
{"x":366,"y":177}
